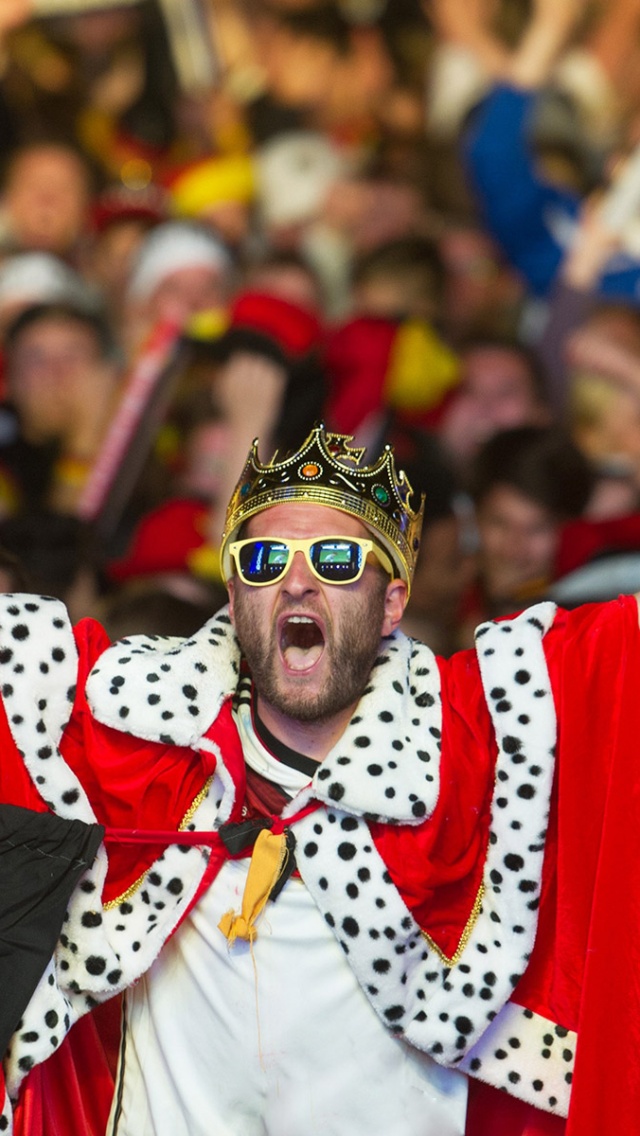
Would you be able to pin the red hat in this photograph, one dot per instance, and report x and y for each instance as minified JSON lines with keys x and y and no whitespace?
{"x":294,"y":329}
{"x":163,"y":541}
{"x":121,"y":203}
{"x":583,"y":540}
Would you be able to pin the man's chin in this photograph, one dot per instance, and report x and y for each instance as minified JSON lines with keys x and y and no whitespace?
{"x":306,"y":702}
{"x":296,"y":701}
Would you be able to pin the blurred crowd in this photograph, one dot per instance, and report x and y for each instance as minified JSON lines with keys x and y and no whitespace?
{"x":418,"y":222}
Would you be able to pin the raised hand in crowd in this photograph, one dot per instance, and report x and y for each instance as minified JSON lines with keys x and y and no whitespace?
{"x":249,"y":391}
{"x":14,"y":13}
{"x":530,"y":62}
{"x":469,"y":25}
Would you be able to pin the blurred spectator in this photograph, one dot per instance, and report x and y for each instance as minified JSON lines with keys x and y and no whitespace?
{"x":525,"y":483}
{"x":38,"y":277}
{"x":45,"y":199}
{"x":120,"y":220}
{"x":102,"y":79}
{"x":482,"y":295}
{"x":389,"y":357}
{"x":322,"y":199}
{"x":62,"y":383}
{"x":181,"y":271}
{"x":528,"y":206}
{"x":502,"y":386}
{"x":316,"y":63}
{"x":603,"y":404}
{"x":278,"y":315}
{"x":289,"y":275}
{"x":270,"y":383}
{"x":162,"y":559}
{"x":400,"y":278}
{"x":378,"y":367}
{"x":295,"y":173}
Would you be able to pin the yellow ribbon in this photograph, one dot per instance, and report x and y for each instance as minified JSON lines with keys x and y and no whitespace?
{"x":267,"y":861}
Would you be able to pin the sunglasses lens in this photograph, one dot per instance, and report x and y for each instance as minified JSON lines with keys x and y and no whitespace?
{"x":337,"y":561}
{"x":262,"y":561}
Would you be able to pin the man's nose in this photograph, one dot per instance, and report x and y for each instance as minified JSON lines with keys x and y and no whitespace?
{"x":299,"y":578}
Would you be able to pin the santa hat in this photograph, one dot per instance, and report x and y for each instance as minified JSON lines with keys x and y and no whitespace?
{"x":170,"y":247}
{"x":41,"y":277}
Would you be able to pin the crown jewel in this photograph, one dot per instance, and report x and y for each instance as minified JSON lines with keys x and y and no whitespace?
{"x":326,"y":470}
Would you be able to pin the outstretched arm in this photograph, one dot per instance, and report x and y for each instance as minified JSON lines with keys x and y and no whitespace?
{"x":468,"y":23}
{"x":573,"y":297}
{"x":526,"y":215}
{"x":614,"y":43}
{"x":544,"y":40}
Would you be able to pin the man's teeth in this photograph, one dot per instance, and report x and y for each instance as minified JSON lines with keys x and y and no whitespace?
{"x":299,"y":619}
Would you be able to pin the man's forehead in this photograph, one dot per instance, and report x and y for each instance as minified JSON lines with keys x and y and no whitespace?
{"x":296,"y":518}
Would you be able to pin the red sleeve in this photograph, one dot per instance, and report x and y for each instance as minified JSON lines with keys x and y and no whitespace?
{"x":592,"y":984}
{"x":131,"y":783}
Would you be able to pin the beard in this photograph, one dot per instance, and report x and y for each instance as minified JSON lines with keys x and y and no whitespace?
{"x":352,"y":648}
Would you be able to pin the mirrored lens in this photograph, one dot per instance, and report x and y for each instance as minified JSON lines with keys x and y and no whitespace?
{"x":263,"y":561}
{"x":336,"y":560}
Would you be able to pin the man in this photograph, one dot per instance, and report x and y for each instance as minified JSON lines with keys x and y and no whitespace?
{"x":346,"y":927}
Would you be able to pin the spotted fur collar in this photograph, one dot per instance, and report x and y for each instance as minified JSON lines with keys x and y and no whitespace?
{"x":172,"y":690}
{"x":385,"y":765}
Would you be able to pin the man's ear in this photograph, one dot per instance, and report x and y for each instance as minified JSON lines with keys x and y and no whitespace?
{"x":395,"y":602}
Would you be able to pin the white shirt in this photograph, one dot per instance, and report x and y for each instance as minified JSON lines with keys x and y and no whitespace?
{"x":276,"y":1039}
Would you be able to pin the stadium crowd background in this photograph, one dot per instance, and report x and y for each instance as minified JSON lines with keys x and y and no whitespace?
{"x":417,"y":222}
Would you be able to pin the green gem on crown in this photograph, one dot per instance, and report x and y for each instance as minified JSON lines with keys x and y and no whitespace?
{"x":380,"y":494}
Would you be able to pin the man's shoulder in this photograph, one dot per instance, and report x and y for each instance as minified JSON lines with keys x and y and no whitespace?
{"x":609,"y":620}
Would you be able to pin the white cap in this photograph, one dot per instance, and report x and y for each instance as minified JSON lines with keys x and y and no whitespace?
{"x":40,"y":277}
{"x":170,"y":247}
{"x":294,"y":172}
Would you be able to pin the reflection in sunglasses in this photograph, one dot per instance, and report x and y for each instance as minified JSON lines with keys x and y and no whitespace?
{"x":334,"y":560}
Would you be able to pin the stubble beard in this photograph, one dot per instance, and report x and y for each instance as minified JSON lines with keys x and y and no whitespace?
{"x":352,"y":650}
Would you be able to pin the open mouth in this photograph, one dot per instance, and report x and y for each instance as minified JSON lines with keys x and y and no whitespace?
{"x":301,"y":642}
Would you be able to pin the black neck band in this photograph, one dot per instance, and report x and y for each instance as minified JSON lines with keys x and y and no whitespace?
{"x":282,"y":752}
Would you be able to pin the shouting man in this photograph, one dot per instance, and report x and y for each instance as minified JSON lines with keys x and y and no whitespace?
{"x":341,"y":881}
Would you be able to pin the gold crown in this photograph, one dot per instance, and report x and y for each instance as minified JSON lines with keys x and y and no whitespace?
{"x":326,"y":470}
